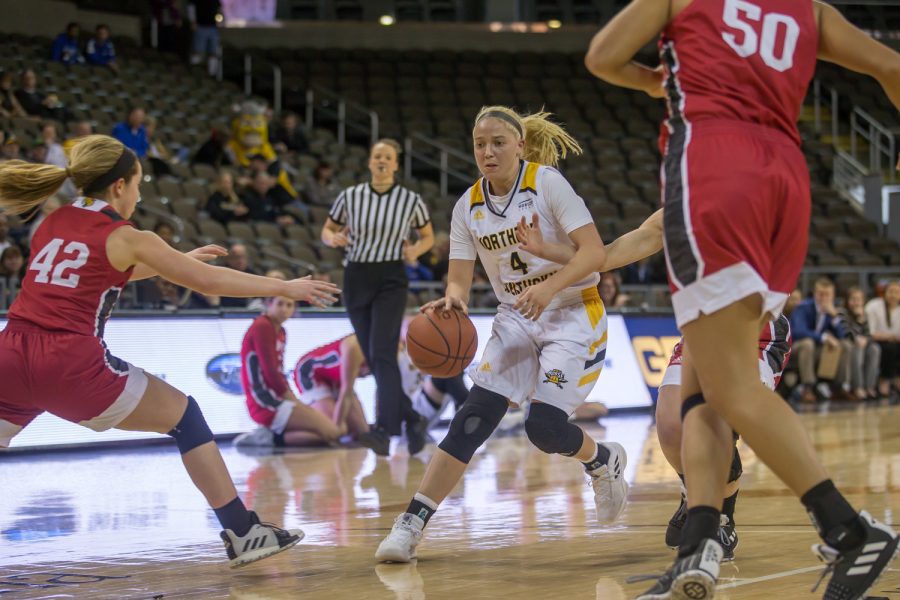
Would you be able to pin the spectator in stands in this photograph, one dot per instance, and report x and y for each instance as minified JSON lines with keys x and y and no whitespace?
{"x":5,"y":241}
{"x":11,"y":149}
{"x":224,"y":205}
{"x":321,"y":189}
{"x":204,"y":17}
{"x":66,"y":48}
{"x":100,"y":50}
{"x":165,"y":230}
{"x":168,"y":18}
{"x":159,"y":156}
{"x":865,"y":356}
{"x":132,"y":132}
{"x":884,"y":322}
{"x":12,"y":263}
{"x":438,"y":258}
{"x":284,"y":200}
{"x":264,"y":200}
{"x":289,"y":135}
{"x":239,"y":260}
{"x":9,"y":104}
{"x":212,"y":151}
{"x":80,"y":129}
{"x":815,"y":324}
{"x":610,"y":288}
{"x":37,"y":153}
{"x":643,"y":272}
{"x":55,"y":153}
{"x":35,"y":102}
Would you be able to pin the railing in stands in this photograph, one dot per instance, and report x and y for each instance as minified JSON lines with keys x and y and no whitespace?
{"x":294,"y":262}
{"x":332,"y":105}
{"x":176,"y":221}
{"x":442,"y":162}
{"x":847,"y":176}
{"x":828,"y":96}
{"x":880,"y":140}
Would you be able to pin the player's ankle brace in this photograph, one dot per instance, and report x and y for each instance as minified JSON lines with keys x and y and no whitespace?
{"x":192,"y":430}
{"x":549,"y":430}
{"x":690,"y":403}
{"x":474,"y":423}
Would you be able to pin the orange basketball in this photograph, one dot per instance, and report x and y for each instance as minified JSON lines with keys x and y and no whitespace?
{"x":441,"y":343}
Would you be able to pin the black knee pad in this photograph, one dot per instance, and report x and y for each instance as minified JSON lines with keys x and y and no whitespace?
{"x":192,"y":430}
{"x":737,"y":468}
{"x":690,"y":403}
{"x":473,"y":424}
{"x":549,"y":430}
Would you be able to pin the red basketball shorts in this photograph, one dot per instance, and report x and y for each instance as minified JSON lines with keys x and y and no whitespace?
{"x":71,"y":376}
{"x":736,"y":220}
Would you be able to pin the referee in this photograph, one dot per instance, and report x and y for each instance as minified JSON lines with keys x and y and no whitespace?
{"x":372,"y":221}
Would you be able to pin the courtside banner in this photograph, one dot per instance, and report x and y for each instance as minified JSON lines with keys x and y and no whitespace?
{"x":201,"y":357}
{"x":652,"y":339}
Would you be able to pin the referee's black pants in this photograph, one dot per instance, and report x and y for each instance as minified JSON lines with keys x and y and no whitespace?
{"x":375,"y":298}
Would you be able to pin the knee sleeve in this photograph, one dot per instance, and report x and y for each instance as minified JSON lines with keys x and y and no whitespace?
{"x":549,"y":430}
{"x":192,"y":430}
{"x":473,"y":424}
{"x":690,"y":403}
{"x":737,"y":468}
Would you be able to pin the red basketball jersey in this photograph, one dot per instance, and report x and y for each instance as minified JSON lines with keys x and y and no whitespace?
{"x":740,"y":60}
{"x":322,"y":365}
{"x":70,"y":285}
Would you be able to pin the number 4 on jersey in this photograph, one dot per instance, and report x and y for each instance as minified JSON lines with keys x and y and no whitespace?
{"x":517,"y":263}
{"x":43,"y":263}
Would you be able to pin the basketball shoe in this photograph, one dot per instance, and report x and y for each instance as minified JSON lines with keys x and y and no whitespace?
{"x":728,"y":537}
{"x":610,"y":487}
{"x":676,"y":523}
{"x":263,"y":539}
{"x":376,"y":440}
{"x":855,"y":571}
{"x":692,"y":577}
{"x":261,"y":437}
{"x":416,"y":429}
{"x":400,"y":544}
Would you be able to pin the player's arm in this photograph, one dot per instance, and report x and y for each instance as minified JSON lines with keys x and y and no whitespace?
{"x":352,"y":359}
{"x":612,"y":50}
{"x":842,"y":43}
{"x":531,"y":240}
{"x":205,"y":254}
{"x":126,"y":247}
{"x":461,"y":271}
{"x":635,"y":245}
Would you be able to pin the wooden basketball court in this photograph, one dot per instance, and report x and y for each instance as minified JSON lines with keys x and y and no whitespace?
{"x":126,"y":523}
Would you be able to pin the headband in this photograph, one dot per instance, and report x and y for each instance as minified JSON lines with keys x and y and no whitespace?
{"x":119,"y":170}
{"x":496,"y":114}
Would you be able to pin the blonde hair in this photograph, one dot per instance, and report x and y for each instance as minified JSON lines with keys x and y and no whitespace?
{"x":389,"y":142}
{"x":546,"y":143}
{"x":24,"y":186}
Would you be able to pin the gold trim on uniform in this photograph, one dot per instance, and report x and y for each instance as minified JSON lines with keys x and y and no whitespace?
{"x":476,"y":198}
{"x":589,"y":378}
{"x":598,"y":343}
{"x":593,"y":305}
{"x":529,"y":179}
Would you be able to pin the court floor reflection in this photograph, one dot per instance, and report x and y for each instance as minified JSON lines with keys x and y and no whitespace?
{"x":126,"y":523}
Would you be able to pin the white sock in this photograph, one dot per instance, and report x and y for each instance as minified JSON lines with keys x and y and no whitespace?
{"x":426,"y":501}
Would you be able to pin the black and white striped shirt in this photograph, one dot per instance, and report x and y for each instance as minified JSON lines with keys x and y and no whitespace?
{"x":378,"y":224}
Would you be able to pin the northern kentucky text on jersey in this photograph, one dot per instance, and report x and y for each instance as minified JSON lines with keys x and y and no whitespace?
{"x":517,"y":287}
{"x":498,"y":241}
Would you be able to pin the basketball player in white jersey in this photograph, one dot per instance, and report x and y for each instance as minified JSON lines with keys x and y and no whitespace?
{"x":548,"y":340}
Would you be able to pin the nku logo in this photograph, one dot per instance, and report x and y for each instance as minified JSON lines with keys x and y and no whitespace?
{"x":224,"y":372}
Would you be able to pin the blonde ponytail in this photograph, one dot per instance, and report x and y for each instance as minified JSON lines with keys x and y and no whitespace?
{"x":546,"y":143}
{"x":25,"y":186}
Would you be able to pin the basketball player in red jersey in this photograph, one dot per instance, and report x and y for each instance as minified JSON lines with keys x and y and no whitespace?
{"x":52,"y":354}
{"x":737,"y":208}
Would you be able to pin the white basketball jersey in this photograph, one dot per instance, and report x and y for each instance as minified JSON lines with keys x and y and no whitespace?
{"x":481,"y":227}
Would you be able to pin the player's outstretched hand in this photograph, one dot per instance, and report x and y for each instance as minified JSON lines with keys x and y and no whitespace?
{"x":208,"y":253}
{"x":531,"y":240}
{"x":318,"y":293}
{"x":532,"y":302}
{"x":446,"y":303}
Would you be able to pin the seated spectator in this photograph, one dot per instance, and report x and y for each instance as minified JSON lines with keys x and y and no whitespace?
{"x":264,"y":202}
{"x":165,"y":231}
{"x":12,"y":263}
{"x":9,"y":104}
{"x":66,"y":48}
{"x":35,"y":102}
{"x":643,"y":272}
{"x":132,"y":132}
{"x":289,"y":135}
{"x":884,"y":323}
{"x":321,"y":189}
{"x":224,"y":205}
{"x":815,"y":324}
{"x":865,"y":355}
{"x":239,"y":260}
{"x":79,"y":130}
{"x":11,"y":149}
{"x":5,"y":240}
{"x":438,"y":258}
{"x":161,"y":159}
{"x":55,"y":153}
{"x":100,"y":50}
{"x":37,"y":153}
{"x":610,"y":288}
{"x":212,"y":151}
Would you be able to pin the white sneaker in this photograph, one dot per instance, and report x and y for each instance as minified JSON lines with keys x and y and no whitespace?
{"x":259,"y":437}
{"x":263,"y":539}
{"x":610,"y":487}
{"x":400,"y":544}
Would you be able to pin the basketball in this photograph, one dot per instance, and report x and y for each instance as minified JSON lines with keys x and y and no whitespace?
{"x":441,"y":343}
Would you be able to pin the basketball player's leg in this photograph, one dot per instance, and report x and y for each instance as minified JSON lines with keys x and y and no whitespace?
{"x":311,"y":425}
{"x":668,"y":421}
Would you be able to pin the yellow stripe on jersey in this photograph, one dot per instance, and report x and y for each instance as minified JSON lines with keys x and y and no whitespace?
{"x":476,"y":197}
{"x":529,"y":179}
{"x":593,"y":305}
{"x":589,"y":378}
{"x":598,"y":343}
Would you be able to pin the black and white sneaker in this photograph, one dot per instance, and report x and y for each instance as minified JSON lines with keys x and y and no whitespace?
{"x":416,"y":429}
{"x":676,"y":523}
{"x":727,"y":538}
{"x":263,"y":540}
{"x":693,"y":577}
{"x":854,"y":572}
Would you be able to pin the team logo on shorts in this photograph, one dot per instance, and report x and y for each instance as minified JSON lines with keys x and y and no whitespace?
{"x":556,"y":377}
